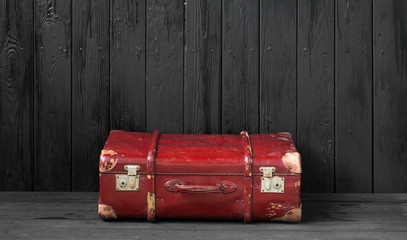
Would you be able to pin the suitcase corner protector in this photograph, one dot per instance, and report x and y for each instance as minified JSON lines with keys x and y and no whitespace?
{"x":108,"y":160}
{"x":292,"y":161}
{"x":293,"y":216}
{"x":106,"y":212}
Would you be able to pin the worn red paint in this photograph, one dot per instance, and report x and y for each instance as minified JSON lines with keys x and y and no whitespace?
{"x":151,"y":156}
{"x":248,"y":176}
{"x":191,"y":176}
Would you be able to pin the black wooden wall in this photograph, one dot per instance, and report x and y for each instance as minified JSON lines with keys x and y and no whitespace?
{"x":334,"y":73}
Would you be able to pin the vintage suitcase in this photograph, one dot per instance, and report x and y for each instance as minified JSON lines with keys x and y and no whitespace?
{"x":169,"y":176}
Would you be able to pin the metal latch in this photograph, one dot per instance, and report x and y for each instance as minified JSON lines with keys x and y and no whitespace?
{"x":270,"y":184}
{"x":129,"y":181}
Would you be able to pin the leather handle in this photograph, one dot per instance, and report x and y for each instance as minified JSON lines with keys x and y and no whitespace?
{"x":198,"y":188}
{"x":176,"y":185}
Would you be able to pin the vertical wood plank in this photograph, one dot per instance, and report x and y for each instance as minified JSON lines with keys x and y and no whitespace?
{"x":127,"y":65}
{"x":202,"y":89}
{"x":390,"y":95}
{"x":240,"y":66}
{"x":315,"y":125}
{"x":52,"y":106}
{"x":353,"y":151}
{"x":278,"y":83}
{"x":16,"y":94}
{"x":90,"y":90}
{"x":165,"y":59}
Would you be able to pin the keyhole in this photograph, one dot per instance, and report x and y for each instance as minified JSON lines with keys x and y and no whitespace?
{"x":122,"y":183}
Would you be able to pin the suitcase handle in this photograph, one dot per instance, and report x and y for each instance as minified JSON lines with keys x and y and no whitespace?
{"x":176,"y":185}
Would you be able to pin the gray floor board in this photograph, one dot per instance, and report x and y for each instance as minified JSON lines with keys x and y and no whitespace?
{"x":64,"y":215}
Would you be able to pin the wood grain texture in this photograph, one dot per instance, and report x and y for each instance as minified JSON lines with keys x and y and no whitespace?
{"x":202,"y":69}
{"x":52,"y":96}
{"x":16,"y":86}
{"x":353,"y":158}
{"x":278,"y":65}
{"x":390,"y":96}
{"x":333,"y":73}
{"x":315,"y":124}
{"x":165,"y":60}
{"x":326,"y":216}
{"x":127,"y":65}
{"x":90,"y":90}
{"x":240,"y":66}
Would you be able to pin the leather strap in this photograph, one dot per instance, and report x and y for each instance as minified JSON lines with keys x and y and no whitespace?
{"x":248,"y":176}
{"x":151,"y":156}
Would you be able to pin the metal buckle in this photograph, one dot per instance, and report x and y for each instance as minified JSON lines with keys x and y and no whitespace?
{"x":129,"y":181}
{"x":270,"y":184}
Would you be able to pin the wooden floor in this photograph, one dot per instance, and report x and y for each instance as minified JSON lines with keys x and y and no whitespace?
{"x":41,"y":215}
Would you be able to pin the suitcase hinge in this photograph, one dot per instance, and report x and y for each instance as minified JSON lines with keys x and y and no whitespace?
{"x":270,"y":184}
{"x":129,"y":181}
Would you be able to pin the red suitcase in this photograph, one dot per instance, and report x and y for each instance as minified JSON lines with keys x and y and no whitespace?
{"x":168,"y":176}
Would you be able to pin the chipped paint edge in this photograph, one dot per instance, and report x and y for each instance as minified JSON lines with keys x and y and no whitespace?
{"x":285,"y":133}
{"x":151,"y":207}
{"x":292,"y":161}
{"x":106,"y":212}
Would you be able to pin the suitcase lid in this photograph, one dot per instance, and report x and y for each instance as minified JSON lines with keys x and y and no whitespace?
{"x":192,"y":154}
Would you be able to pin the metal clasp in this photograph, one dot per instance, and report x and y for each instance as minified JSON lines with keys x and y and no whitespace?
{"x":129,"y":181}
{"x":270,"y":184}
